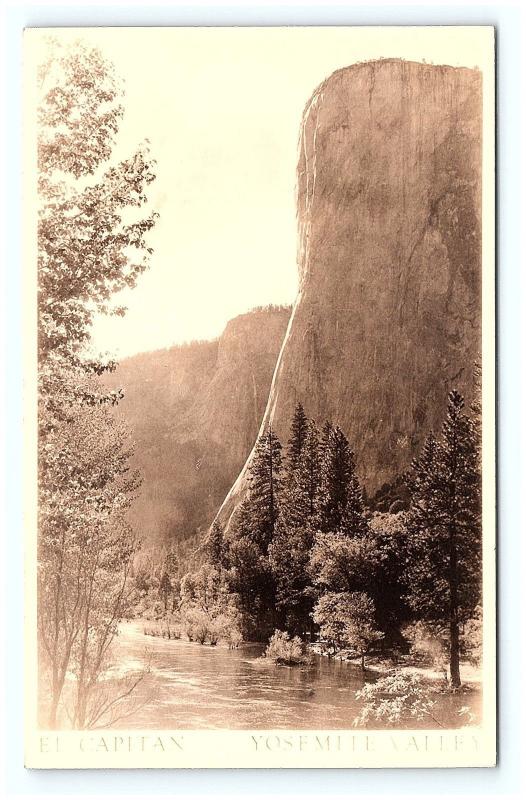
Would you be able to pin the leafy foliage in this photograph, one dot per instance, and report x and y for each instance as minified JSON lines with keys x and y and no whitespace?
{"x":386,"y":585}
{"x":339,"y":563}
{"x":346,"y":619}
{"x":208,"y":611}
{"x":85,"y":549}
{"x":471,"y":637}
{"x":284,"y":650}
{"x":396,"y":698}
{"x":289,"y":562}
{"x":304,"y":550}
{"x":88,"y":246}
{"x":429,"y":644}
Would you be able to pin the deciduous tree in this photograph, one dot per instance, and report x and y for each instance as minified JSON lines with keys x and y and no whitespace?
{"x":346,"y":619}
{"x":89,"y":247}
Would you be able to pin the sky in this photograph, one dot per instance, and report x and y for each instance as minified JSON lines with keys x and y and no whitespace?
{"x":222,"y":109}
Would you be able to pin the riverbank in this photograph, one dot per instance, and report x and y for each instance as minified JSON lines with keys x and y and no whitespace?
{"x":471,"y":675}
{"x":405,"y":664}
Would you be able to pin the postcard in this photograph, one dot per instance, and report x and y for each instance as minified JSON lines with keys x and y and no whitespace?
{"x":259,"y":397}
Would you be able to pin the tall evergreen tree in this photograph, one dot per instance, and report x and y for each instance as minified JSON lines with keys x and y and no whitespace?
{"x":250,"y":574}
{"x":290,"y":549}
{"x":476,"y":409}
{"x":308,"y":471}
{"x":165,"y":588}
{"x":354,"y":523}
{"x":337,"y":468}
{"x":327,"y":433}
{"x":264,"y":487}
{"x":214,"y":545}
{"x":300,"y":485}
{"x":289,"y":560}
{"x":298,"y":434}
{"x":444,"y":529}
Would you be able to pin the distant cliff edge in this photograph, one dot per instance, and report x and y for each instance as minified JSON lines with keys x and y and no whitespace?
{"x":194,"y":412}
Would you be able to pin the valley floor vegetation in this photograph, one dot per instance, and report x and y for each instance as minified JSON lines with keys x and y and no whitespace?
{"x":309,"y":565}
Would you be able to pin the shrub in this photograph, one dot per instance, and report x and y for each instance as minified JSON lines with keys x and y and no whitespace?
{"x":234,"y":637}
{"x":396,"y":698}
{"x":209,"y":613}
{"x":471,"y":638}
{"x":196,"y":624}
{"x":227,"y":627}
{"x":429,"y":644}
{"x":284,"y":650}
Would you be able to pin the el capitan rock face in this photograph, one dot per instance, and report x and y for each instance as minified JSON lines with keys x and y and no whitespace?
{"x":388,"y":314}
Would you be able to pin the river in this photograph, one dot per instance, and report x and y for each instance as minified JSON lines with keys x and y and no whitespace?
{"x":194,"y":686}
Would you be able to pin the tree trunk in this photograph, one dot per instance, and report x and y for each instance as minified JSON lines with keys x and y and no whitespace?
{"x":454,"y":644}
{"x":80,"y":712}
{"x":454,"y":655}
{"x":363,"y":662}
{"x":56,"y":692}
{"x":52,"y":718}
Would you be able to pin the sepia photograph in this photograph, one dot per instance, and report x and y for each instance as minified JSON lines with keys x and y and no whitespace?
{"x":260,"y":397}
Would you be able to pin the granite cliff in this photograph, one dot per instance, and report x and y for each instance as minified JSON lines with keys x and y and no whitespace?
{"x":388,"y":314}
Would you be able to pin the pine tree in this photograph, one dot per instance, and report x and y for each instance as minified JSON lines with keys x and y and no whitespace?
{"x":337,"y":468}
{"x":252,"y":533}
{"x":169,"y":580}
{"x":300,"y":486}
{"x":354,"y":523}
{"x":326,"y":436}
{"x":289,"y":561}
{"x":298,"y":434}
{"x":476,"y":409}
{"x":165,"y":588}
{"x":294,"y":534}
{"x":214,"y":545}
{"x":171,"y":564}
{"x":444,"y":529}
{"x":308,"y":472}
{"x":264,"y":487}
